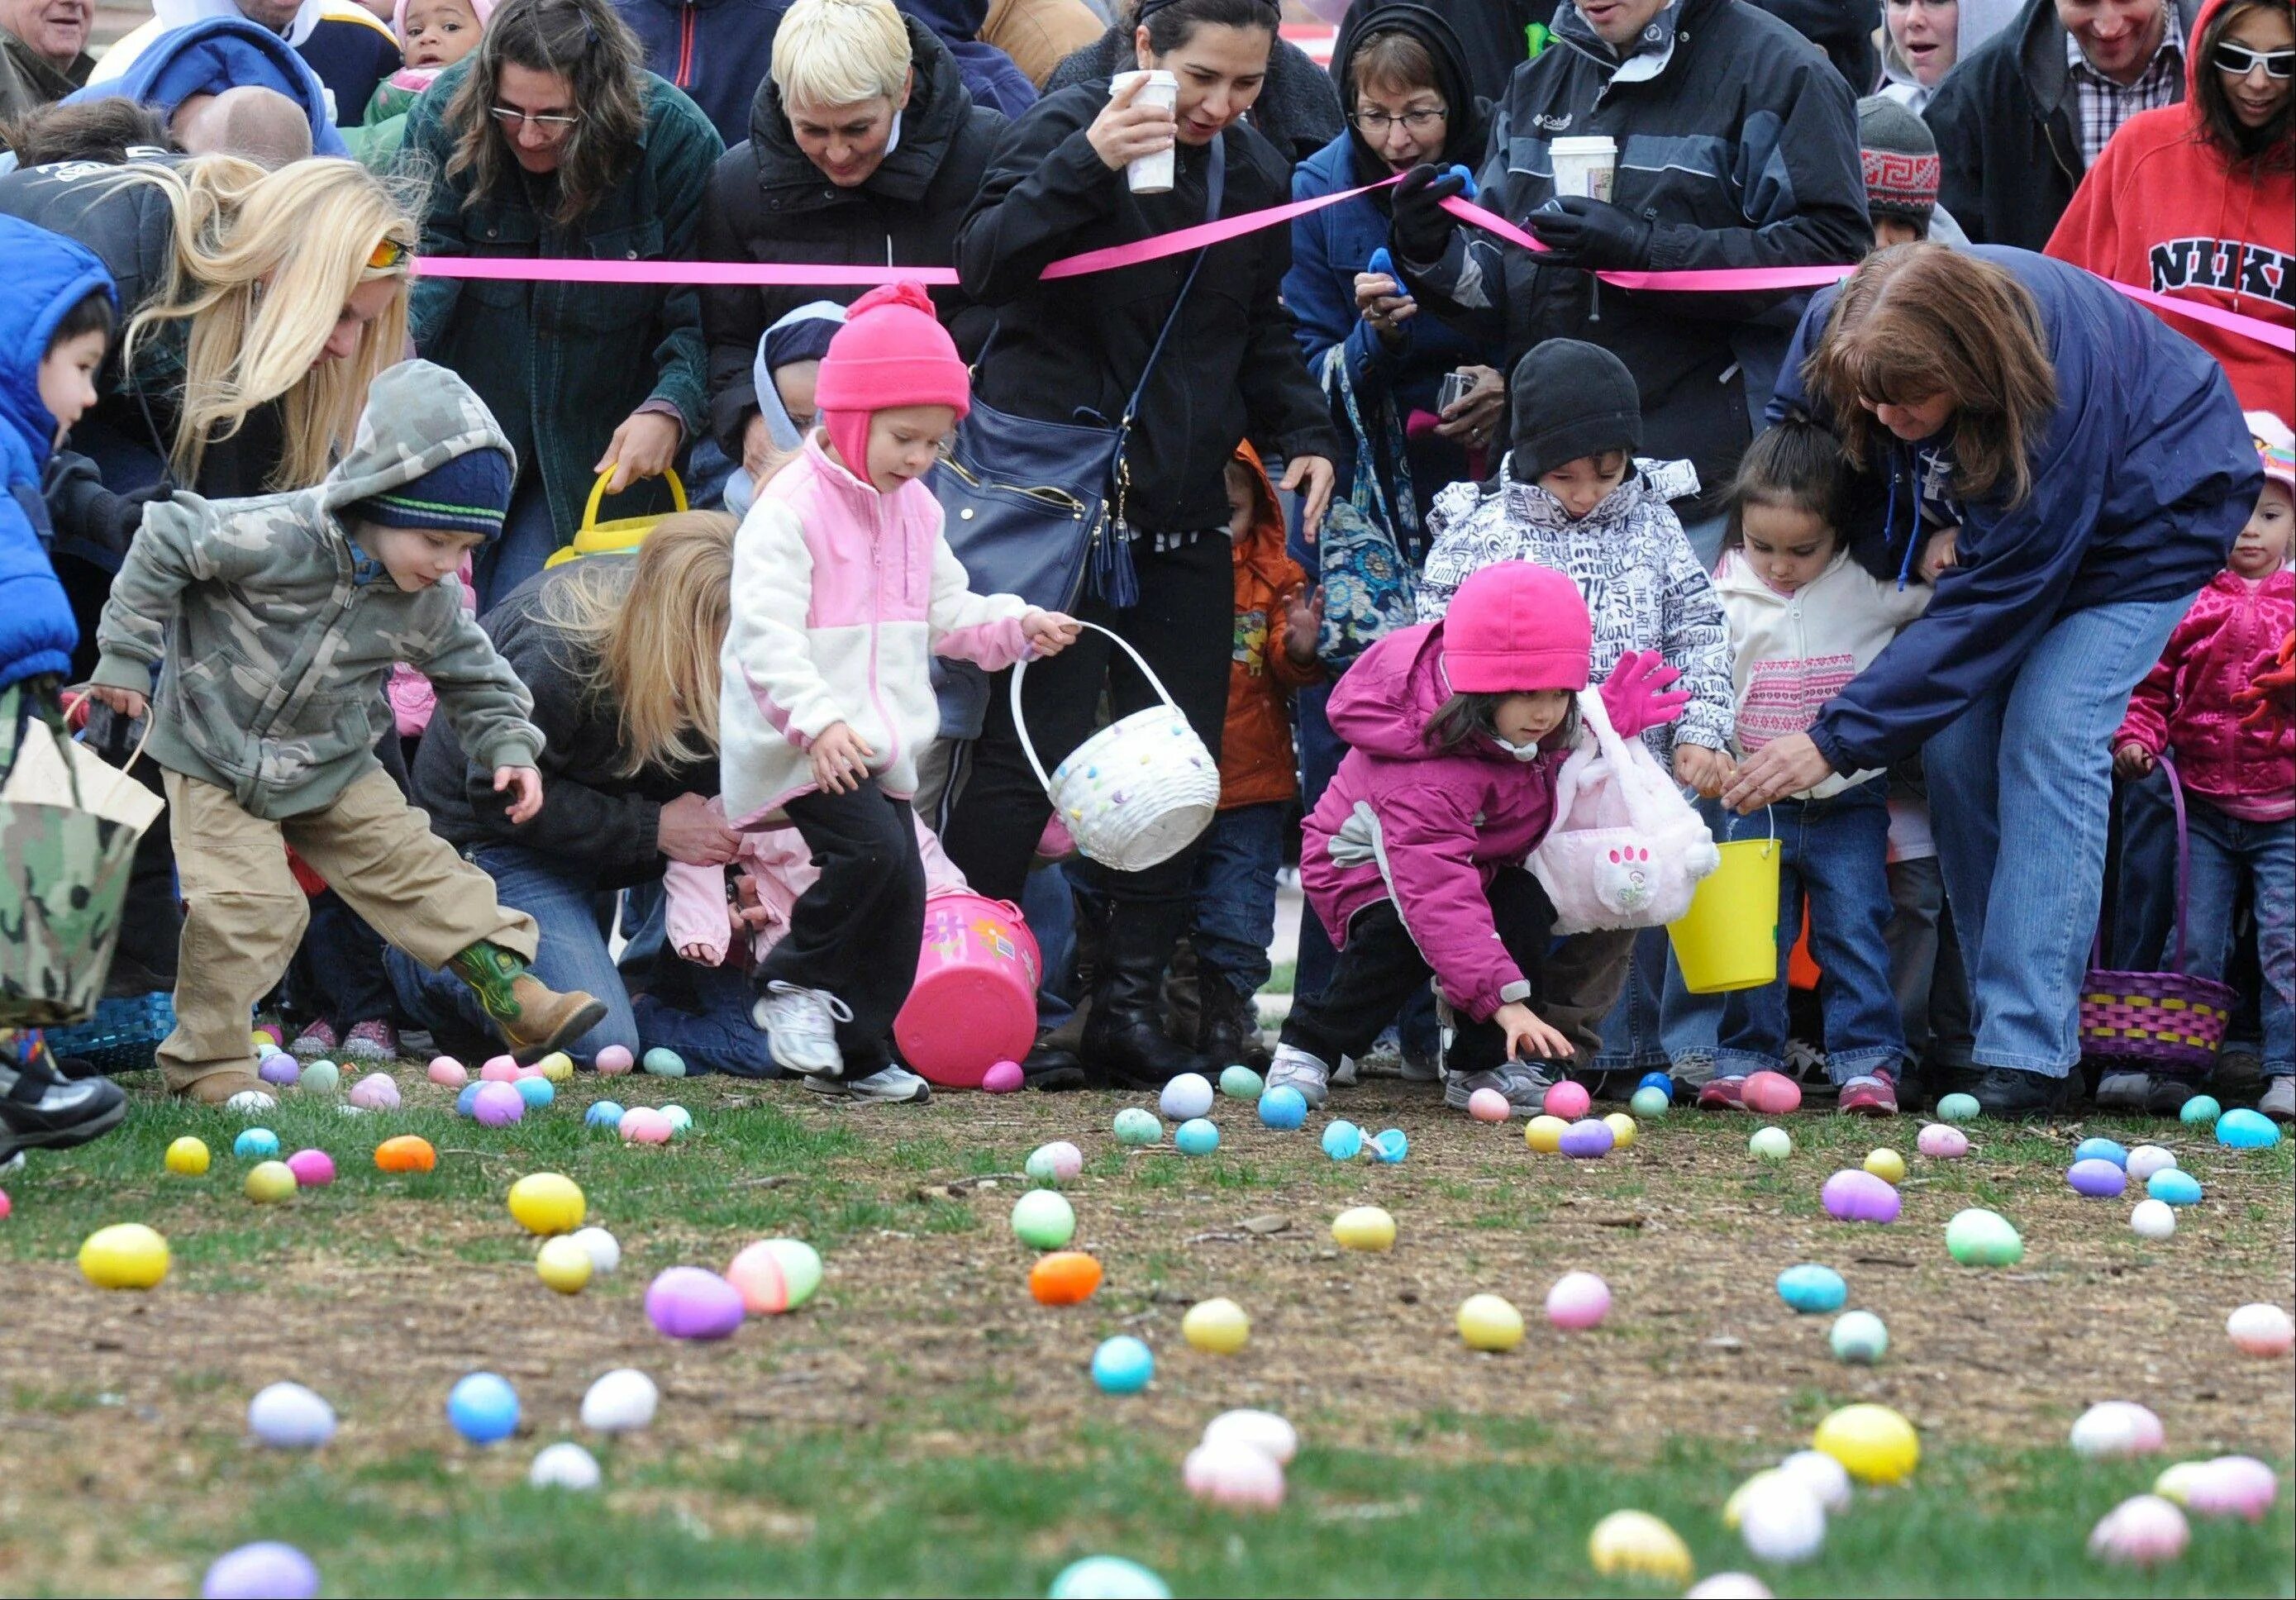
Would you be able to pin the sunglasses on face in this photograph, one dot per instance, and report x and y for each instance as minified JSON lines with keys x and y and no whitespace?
{"x":387,"y":254}
{"x":2239,"y":61}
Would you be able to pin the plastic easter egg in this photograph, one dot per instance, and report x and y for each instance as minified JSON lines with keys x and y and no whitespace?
{"x":1810,"y":1288}
{"x":1941,"y":1143}
{"x":1623,"y":1131}
{"x":1578,"y":1300}
{"x":497,"y":1104}
{"x":6,"y":1205}
{"x":187,"y":1156}
{"x":1343,"y":1141}
{"x":483,"y":1407}
{"x":255,"y":1145}
{"x":2200,"y":1109}
{"x":1488,"y":1322}
{"x":613,"y":1061}
{"x":281,"y":1070}
{"x":1855,"y":1195}
{"x":1198,"y":1135}
{"x":1874,"y":1444}
{"x":1363,"y":1228}
{"x":126,"y":1255}
{"x":1186,"y":1098}
{"x":557,"y":1066}
{"x":1779,"y":1519}
{"x":1261,"y":1430}
{"x":1886,"y":1164}
{"x":313,"y":1168}
{"x":1958,"y":1108}
{"x":446,"y":1072}
{"x":321,"y":1077}
{"x":604,"y":1251}
{"x":1728,"y":1586}
{"x":603,"y":1113}
{"x":1977,"y":1237}
{"x":1003,"y":1078}
{"x":2262,"y":1330}
{"x":2173,"y":1186}
{"x":1566,"y":1100}
{"x":1054,"y":1163}
{"x":1544,"y":1134}
{"x":547,"y":1203}
{"x":1662,"y":1080}
{"x":288,"y":1416}
{"x":1770,"y":1144}
{"x":1239,"y":1083}
{"x":250,"y":1103}
{"x":800,"y":1265}
{"x":664,"y":1062}
{"x":2146,"y":1160}
{"x":1647,"y":1104}
{"x":2154,"y":1219}
{"x":1217,"y":1326}
{"x":1771,"y":1093}
{"x":774,"y":1275}
{"x":2176,"y":1481}
{"x":2113,"y":1430}
{"x":1065,"y":1277}
{"x":1133,"y":1125}
{"x":563,"y":1265}
{"x":498,"y":1068}
{"x":2101,"y":1150}
{"x":1858,"y":1338}
{"x":466,"y":1100}
{"x":408,"y":1152}
{"x":1390,"y":1147}
{"x":1283,"y":1108}
{"x":1484,"y":1106}
{"x":1042,"y":1220}
{"x":2096,"y":1180}
{"x":1587,"y":1141}
{"x":644,"y":1125}
{"x":1637,"y":1545}
{"x":2144,"y":1530}
{"x":621,"y":1401}
{"x":1823,"y":1476}
{"x":2234,"y":1486}
{"x":565,"y":1465}
{"x":1108,"y":1577}
{"x":687,"y":1303}
{"x":375,"y":1092}
{"x":2246,"y":1130}
{"x":270,"y":1182}
{"x":536,"y":1091}
{"x":680,"y":1120}
{"x":1122,"y":1366}
{"x":268,"y":1571}
{"x":1236,"y":1477}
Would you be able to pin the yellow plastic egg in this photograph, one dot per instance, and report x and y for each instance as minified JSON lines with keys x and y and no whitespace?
{"x":1622,"y":1129}
{"x":1886,"y":1164}
{"x":1363,"y":1228}
{"x":1489,"y":1323}
{"x":126,"y":1255}
{"x":1875,"y":1444}
{"x":563,"y":1265}
{"x":1544,"y":1134}
{"x":1635,"y":1544}
{"x":1217,"y":1325}
{"x":557,"y":1066}
{"x":188,"y":1156}
{"x":547,"y":1203}
{"x":270,"y":1182}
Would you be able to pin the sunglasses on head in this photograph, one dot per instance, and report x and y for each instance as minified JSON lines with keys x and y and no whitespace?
{"x":387,"y":254}
{"x":2239,"y":61}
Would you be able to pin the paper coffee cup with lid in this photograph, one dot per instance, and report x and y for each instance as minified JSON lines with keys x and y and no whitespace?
{"x":1150,"y":175}
{"x":1584,"y":167}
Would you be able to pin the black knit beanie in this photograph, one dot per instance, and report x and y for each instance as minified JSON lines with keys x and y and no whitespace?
{"x":1569,"y":400}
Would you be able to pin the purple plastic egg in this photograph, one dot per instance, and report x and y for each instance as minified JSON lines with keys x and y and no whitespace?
{"x":687,"y":1303}
{"x":268,"y":1570}
{"x":2097,"y":1178}
{"x":376,"y":1092}
{"x":1588,"y":1140}
{"x":279,"y":1069}
{"x":1854,"y":1195}
{"x":1002,"y":1079}
{"x":313,"y":1168}
{"x":497,"y":1104}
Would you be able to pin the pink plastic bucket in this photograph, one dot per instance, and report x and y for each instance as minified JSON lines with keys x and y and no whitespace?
{"x":975,"y":1003}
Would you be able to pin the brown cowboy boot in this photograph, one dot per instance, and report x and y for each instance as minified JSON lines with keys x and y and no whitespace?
{"x":533,"y":1020}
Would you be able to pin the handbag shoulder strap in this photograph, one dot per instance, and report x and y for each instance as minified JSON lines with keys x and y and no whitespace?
{"x":2184,"y":856}
{"x":1215,"y":191}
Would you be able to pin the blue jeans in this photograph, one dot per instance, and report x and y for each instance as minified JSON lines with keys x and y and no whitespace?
{"x":1049,"y":906}
{"x":1232,"y":919}
{"x":2021,"y":790}
{"x":1658,"y":1024}
{"x":529,"y":538}
{"x":701,"y":1012}
{"x":1837,"y":849}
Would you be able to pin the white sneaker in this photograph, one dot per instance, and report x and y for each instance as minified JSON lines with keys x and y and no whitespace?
{"x":800,"y":1028}
{"x":890,"y":1085}
{"x":1294,"y":1068}
{"x":1346,"y":1074}
{"x":2279,"y":1102}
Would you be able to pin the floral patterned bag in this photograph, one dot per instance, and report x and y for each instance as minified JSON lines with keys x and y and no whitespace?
{"x":1367,"y":579}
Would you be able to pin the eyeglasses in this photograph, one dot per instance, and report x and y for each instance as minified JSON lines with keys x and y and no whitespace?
{"x":2239,"y":61}
{"x":387,"y":253}
{"x":1375,"y":123}
{"x":554,"y":123}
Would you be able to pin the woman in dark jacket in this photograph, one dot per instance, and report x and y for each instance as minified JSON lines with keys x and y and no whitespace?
{"x":1056,"y":186}
{"x":815,"y":189}
{"x":551,"y":140}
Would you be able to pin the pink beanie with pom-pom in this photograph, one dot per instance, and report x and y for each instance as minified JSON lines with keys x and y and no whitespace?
{"x":892,"y":351}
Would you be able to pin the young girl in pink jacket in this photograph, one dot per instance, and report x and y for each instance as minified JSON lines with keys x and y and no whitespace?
{"x":1415,"y":856}
{"x":843,"y":587}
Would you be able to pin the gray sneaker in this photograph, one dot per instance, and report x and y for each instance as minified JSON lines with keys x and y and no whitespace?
{"x":2279,"y":1101}
{"x":1293,"y":1067}
{"x":1523,"y":1084}
{"x":800,"y":1028}
{"x":891,"y":1085}
{"x":2125,"y":1092}
{"x":1422,"y":1066}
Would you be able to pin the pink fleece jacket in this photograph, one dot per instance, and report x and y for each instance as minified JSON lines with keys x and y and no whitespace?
{"x":2184,"y":704}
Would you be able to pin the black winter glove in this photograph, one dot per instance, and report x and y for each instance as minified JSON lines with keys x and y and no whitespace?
{"x":1422,"y":229}
{"x":125,"y":512}
{"x":1590,"y":234}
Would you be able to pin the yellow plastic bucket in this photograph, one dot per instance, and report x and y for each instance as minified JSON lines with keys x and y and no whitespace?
{"x":620,"y":536}
{"x":1729,"y":938}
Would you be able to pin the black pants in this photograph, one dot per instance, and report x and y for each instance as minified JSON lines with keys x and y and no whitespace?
{"x":857,"y":930}
{"x":1381,"y":969}
{"x":1185,"y":627}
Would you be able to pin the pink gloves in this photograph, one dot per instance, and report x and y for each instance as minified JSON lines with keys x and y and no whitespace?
{"x":1637,"y":696}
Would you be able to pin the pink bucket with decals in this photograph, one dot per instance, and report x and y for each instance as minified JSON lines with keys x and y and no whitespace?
{"x":975,"y":1003}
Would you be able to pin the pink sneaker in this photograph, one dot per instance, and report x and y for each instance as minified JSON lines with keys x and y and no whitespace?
{"x":315,"y":1040}
{"x":1872,"y":1096}
{"x":1723,"y":1095}
{"x":375,"y":1041}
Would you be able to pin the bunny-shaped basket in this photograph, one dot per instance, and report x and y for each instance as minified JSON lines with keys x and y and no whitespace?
{"x":1627,"y":851}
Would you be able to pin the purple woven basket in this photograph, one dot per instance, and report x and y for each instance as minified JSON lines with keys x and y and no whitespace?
{"x":2170,"y":1021}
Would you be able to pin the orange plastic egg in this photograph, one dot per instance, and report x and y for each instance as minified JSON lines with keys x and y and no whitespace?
{"x":406,"y":1153}
{"x":1065,"y":1278}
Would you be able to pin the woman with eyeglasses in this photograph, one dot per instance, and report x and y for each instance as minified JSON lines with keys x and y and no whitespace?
{"x":551,"y":140}
{"x":2198,"y":201}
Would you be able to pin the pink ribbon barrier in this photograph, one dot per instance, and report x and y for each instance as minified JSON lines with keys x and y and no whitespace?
{"x":1727,"y":280}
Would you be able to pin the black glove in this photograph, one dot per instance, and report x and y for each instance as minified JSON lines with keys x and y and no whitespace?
{"x":1422,"y":228}
{"x":125,"y":512}
{"x":1590,"y":234}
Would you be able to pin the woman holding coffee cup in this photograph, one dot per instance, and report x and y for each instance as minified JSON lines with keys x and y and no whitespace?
{"x":1056,"y":185}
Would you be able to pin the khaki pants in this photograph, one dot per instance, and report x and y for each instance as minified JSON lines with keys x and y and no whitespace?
{"x":1583,"y":980}
{"x":244,"y":913}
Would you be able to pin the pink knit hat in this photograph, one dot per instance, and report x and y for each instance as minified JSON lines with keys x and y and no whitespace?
{"x":891,"y":351}
{"x":1514,"y":627}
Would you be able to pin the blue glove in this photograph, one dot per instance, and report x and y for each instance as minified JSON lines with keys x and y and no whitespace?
{"x":1383,"y":264}
{"x":1593,"y":234}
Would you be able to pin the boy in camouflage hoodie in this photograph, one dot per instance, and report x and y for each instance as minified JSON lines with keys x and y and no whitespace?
{"x":274,"y":622}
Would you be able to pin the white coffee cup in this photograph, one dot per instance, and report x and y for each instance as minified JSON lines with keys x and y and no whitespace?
{"x":1150,"y":175}
{"x":1584,"y":167}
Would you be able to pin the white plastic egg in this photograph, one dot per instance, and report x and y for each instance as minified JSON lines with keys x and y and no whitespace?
{"x":622,"y":1401}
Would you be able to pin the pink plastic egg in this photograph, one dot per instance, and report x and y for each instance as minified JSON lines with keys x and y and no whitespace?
{"x":2113,"y":1429}
{"x":6,"y":1205}
{"x":615,"y":1060}
{"x":686,"y":1302}
{"x":756,"y":1276}
{"x":313,"y":1168}
{"x":2262,"y":1329}
{"x":1579,"y":1300}
{"x":1001,"y":1078}
{"x":1772,"y":1094}
{"x":1487,"y":1106}
{"x":644,"y":1125}
{"x":2234,"y":1486}
{"x":1569,"y":1101}
{"x":500,"y":1069}
{"x":447,"y":1072}
{"x":376,"y":1092}
{"x":1855,"y":1195}
{"x":1942,"y":1142}
{"x":497,"y":1104}
{"x":2145,"y":1531}
{"x":1240,"y":1477}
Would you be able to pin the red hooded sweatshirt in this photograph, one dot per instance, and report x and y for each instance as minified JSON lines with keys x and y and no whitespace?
{"x":2163,"y":209}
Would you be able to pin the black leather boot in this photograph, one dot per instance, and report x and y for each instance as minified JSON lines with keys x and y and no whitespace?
{"x":1124,"y":1044}
{"x":1227,"y":1023}
{"x":2017,"y":1096}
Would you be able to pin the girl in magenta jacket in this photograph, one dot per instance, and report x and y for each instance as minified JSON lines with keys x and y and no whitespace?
{"x":1414,"y":857}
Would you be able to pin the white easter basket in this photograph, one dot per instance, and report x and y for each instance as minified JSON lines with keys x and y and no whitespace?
{"x":1140,"y":790}
{"x":1627,"y":851}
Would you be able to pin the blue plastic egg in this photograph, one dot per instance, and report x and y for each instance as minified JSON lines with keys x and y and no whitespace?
{"x":1812,"y":1288}
{"x":602,"y":1113}
{"x":2101,"y":1150}
{"x":2246,"y":1130}
{"x":2200,"y":1109}
{"x":2172,"y":1186}
{"x":664,"y":1062}
{"x":1122,"y":1366}
{"x":1663,"y":1082}
{"x":255,"y":1145}
{"x":483,"y":1407}
{"x":1343,"y":1141}
{"x":1390,"y":1146}
{"x":1283,"y":1107}
{"x":536,"y":1092}
{"x":1198,"y":1135}
{"x":468,"y":1098}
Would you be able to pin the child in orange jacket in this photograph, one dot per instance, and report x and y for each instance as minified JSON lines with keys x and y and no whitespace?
{"x":1274,"y":653}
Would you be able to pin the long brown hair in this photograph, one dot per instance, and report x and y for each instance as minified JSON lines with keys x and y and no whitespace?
{"x":1920,"y":320}
{"x":2271,"y":148}
{"x":586,"y":43}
